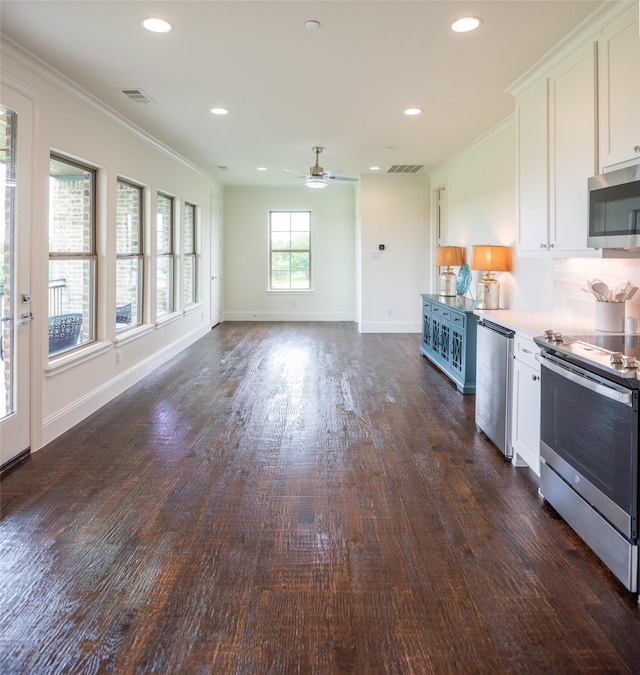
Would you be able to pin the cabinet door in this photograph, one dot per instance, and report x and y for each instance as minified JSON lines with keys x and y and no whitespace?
{"x":525,"y":429}
{"x":572,"y":134}
{"x":619,"y":90}
{"x":426,"y":328}
{"x":532,"y":163}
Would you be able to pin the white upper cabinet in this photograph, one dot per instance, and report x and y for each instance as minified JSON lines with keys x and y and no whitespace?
{"x":572,"y":148}
{"x":619,"y":90}
{"x":556,"y":154}
{"x":533,"y":172}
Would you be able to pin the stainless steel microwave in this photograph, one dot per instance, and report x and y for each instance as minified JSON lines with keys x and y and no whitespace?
{"x":614,"y":209}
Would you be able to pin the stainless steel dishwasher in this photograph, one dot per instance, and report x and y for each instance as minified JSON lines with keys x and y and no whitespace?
{"x":494,"y":363}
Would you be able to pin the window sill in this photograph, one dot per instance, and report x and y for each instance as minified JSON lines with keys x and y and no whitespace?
{"x":168,"y":318}
{"x":129,"y":334}
{"x":59,"y":364}
{"x":197,"y":306}
{"x":290,"y":291}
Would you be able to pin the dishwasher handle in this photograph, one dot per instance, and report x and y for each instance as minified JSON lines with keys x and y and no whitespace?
{"x":496,"y":328}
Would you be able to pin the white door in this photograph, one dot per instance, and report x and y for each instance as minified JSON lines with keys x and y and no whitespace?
{"x":15,"y":183}
{"x":216,"y":259}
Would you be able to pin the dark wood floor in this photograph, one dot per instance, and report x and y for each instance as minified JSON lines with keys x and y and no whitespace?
{"x":296,"y":498}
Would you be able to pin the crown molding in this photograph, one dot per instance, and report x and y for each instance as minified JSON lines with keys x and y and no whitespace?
{"x":588,"y":29}
{"x":37,"y":66}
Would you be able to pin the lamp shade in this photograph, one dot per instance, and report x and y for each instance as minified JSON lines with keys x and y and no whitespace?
{"x":489,"y":258}
{"x":449,"y":255}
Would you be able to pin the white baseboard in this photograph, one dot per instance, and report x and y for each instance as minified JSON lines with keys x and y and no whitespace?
{"x":390,"y":327}
{"x":75,"y":412}
{"x":288,"y":316}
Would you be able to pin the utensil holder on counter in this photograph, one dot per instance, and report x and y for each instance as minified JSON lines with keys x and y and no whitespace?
{"x":610,"y":317}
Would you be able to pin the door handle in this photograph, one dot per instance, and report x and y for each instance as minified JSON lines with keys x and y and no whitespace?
{"x":26,"y":317}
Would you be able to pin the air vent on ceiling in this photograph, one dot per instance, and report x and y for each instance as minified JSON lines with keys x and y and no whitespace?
{"x":223,"y":168}
{"x":137,"y":95}
{"x":405,"y":168}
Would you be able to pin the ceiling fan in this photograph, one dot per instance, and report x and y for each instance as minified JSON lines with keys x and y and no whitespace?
{"x":317,"y":176}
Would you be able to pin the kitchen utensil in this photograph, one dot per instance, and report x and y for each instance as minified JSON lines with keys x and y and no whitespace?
{"x":596,"y":295}
{"x":621,"y":292}
{"x":632,"y":292}
{"x":598,"y":286}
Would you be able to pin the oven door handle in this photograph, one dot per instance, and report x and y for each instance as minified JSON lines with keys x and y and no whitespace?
{"x":621,"y":397}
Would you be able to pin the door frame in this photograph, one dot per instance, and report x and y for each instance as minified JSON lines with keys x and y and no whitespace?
{"x":35,"y":245}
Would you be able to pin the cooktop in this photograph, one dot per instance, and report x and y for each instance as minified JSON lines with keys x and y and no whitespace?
{"x":614,"y":354}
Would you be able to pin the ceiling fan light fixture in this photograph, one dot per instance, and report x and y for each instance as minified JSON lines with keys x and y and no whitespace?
{"x":316,"y":183}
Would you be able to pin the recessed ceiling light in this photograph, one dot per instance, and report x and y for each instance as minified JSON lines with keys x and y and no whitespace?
{"x":261,"y":168}
{"x":312,"y":24}
{"x":412,"y":111}
{"x":374,"y":168}
{"x":466,"y":24}
{"x":219,"y":111}
{"x":156,"y":25}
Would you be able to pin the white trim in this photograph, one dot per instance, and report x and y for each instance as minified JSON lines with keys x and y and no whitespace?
{"x":59,"y":364}
{"x":494,"y":131}
{"x":133,"y":333}
{"x":587,"y":30}
{"x":39,"y":67}
{"x":81,"y":408}
{"x":390,"y":327}
{"x":260,"y":315}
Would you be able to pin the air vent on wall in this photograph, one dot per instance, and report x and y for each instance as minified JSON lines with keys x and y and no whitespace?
{"x":405,"y":168}
{"x":137,"y":95}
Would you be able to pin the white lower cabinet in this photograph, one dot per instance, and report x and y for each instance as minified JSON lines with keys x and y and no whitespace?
{"x":525,"y":405}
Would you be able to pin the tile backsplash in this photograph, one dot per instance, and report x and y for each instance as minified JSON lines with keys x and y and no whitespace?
{"x":570,"y":293}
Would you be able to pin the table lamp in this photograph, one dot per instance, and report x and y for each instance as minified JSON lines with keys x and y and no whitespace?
{"x":448,"y":256}
{"x":489,"y":259}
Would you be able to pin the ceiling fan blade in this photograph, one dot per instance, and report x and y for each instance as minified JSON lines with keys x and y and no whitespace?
{"x":300,"y":173}
{"x":341,"y":178}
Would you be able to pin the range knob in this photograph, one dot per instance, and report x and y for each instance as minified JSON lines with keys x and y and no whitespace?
{"x":616,"y":357}
{"x":629,"y":362}
{"x":548,"y":335}
{"x":557,"y":337}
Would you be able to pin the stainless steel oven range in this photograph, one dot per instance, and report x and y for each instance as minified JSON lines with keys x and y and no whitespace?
{"x":589,"y":442}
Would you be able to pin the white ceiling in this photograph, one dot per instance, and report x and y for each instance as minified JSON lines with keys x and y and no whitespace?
{"x":343,"y":86}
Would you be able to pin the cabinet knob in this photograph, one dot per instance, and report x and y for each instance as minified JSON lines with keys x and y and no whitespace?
{"x":535,"y":377}
{"x":543,"y":246}
{"x":636,"y":148}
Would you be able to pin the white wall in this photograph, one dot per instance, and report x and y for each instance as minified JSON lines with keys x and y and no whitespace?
{"x":394,"y":211}
{"x":246,"y":264}
{"x":246,"y":228}
{"x":74,"y":124}
{"x":480,"y":189}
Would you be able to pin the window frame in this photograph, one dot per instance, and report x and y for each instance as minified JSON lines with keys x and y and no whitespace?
{"x":271,"y":251}
{"x":168,"y":255}
{"x":192,"y":255}
{"x":91,"y":255}
{"x":139,"y":256}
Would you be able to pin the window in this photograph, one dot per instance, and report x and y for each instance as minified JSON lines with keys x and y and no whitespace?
{"x":165,"y":253}
{"x":72,"y":254}
{"x":130,"y":259}
{"x":190,"y":267}
{"x":289,"y":250}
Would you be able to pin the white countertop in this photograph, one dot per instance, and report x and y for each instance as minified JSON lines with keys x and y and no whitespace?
{"x":532,"y":324}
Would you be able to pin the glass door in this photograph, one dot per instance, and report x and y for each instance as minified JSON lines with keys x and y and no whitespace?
{"x":15,"y":297}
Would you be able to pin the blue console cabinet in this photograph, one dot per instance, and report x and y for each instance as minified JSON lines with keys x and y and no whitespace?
{"x":449,"y":329}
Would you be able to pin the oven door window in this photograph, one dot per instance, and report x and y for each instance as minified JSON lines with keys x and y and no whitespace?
{"x":594,"y":434}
